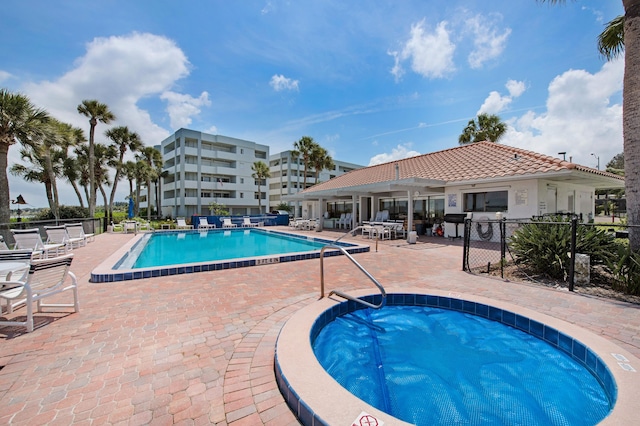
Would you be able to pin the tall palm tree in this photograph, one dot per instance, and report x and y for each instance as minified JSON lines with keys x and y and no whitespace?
{"x":36,"y":171}
{"x":303,"y":149}
{"x":122,"y":140}
{"x":105,"y":156}
{"x":153,"y":158}
{"x":74,"y":137}
{"x":142,"y":171}
{"x":260,"y":173}
{"x":96,"y":111}
{"x":22,"y":121}
{"x":82,"y":165}
{"x":320,"y":160}
{"x":624,"y":34}
{"x":486,"y":127}
{"x":129,"y":170}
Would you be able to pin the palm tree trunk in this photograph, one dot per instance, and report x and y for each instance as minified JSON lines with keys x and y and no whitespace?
{"x":631,"y":118}
{"x":259,"y":198}
{"x":104,"y":196}
{"x":92,"y":168}
{"x":149,"y":200}
{"x":5,"y":207}
{"x":78,"y":194}
{"x":54,"y":202}
{"x":112,"y":197}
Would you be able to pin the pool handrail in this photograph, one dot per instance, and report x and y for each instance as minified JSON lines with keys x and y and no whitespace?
{"x":344,"y":295}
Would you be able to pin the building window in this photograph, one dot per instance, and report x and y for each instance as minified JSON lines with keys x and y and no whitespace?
{"x":242,"y":195}
{"x":497,"y":201}
{"x":241,"y":180}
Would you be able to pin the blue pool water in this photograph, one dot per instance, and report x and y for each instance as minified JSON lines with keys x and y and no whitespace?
{"x":428,"y":366}
{"x":172,"y":248}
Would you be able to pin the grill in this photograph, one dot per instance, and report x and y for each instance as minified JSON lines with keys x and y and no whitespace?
{"x":456,"y":218}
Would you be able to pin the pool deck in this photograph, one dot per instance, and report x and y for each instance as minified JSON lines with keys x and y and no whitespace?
{"x":198,"y":348}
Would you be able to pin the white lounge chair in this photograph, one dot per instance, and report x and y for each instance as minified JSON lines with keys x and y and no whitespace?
{"x":182,"y":224}
{"x":340,"y":221}
{"x":246,"y":223}
{"x":30,"y":239}
{"x":76,"y":230}
{"x":46,"y":278}
{"x":59,"y":235}
{"x":226,"y":223}
{"x":14,"y":264}
{"x":204,"y":224}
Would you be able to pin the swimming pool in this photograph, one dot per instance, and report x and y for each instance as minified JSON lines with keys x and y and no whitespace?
{"x":183,"y":252}
{"x":317,"y":398}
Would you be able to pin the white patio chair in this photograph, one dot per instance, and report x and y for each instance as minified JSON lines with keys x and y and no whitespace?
{"x":46,"y":278}
{"x":204,"y":224}
{"x":182,"y":224}
{"x":30,"y":239}
{"x":130,"y":225}
{"x":226,"y":223}
{"x":59,"y":235}
{"x":246,"y":223}
{"x":76,"y":230}
{"x":14,"y":263}
{"x":340,"y":221}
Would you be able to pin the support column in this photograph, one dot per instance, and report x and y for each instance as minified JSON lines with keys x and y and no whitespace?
{"x":320,"y":224}
{"x":409,"y":213}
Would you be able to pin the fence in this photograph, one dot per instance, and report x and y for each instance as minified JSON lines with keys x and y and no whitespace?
{"x":90,"y":226}
{"x":489,"y":247}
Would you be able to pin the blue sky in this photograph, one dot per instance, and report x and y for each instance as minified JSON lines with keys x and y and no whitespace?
{"x":371,"y":81}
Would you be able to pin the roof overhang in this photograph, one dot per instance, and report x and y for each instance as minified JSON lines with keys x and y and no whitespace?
{"x":380,"y":188}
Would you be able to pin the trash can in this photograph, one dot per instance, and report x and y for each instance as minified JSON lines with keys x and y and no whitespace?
{"x":413,"y":236}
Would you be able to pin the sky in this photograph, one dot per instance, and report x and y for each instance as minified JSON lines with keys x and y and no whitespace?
{"x":371,"y":81}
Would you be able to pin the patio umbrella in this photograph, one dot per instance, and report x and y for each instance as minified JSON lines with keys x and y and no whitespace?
{"x":130,"y":213}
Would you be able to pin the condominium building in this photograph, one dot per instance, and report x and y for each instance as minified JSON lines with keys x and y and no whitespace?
{"x":202,"y":168}
{"x":287,"y":177}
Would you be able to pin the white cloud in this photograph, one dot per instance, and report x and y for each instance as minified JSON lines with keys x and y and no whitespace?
{"x":280,"y":82}
{"x":397,"y":153}
{"x":182,"y":107}
{"x":431,"y":54}
{"x":580,"y":117}
{"x":4,"y":76}
{"x":488,"y":41}
{"x":494,"y":103}
{"x":118,"y":71}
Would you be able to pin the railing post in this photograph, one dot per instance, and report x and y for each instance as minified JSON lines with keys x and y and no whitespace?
{"x":466,"y":243}
{"x":572,"y":261}
{"x":503,"y":244}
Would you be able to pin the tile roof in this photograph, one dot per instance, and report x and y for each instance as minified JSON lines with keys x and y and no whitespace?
{"x":476,"y":161}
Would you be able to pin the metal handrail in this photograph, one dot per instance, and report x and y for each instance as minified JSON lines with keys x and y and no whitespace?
{"x":344,"y":295}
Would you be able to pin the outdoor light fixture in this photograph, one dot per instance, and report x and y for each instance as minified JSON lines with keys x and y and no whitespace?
{"x":564,"y":155}
{"x":597,"y":158}
{"x":19,"y":201}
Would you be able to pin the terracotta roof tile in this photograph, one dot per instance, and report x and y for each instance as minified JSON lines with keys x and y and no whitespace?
{"x":475,"y":161}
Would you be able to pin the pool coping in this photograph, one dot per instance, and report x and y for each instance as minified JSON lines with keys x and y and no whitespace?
{"x":105,"y":273}
{"x":305,"y":384}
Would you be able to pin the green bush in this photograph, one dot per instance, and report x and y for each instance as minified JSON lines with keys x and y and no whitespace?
{"x":626,"y":270}
{"x":66,"y":212}
{"x":544,"y":245}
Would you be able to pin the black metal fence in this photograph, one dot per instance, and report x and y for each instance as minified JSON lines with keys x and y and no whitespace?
{"x":488,"y":247}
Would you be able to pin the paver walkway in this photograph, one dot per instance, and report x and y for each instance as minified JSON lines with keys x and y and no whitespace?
{"x":198,"y":348}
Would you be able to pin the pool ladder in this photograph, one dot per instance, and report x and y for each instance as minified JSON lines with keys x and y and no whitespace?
{"x":334,"y":245}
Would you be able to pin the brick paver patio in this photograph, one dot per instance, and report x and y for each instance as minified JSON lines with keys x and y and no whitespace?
{"x":198,"y":348}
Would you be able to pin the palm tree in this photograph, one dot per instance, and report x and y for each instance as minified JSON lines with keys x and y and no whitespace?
{"x":320,"y":160}
{"x":36,"y":171}
{"x":96,"y":111}
{"x":153,"y":159}
{"x":129,"y":169}
{"x":74,"y":137}
{"x":122,"y":139}
{"x":623,"y":33}
{"x":487,"y":127}
{"x":260,"y":173}
{"x":20,"y":120}
{"x":105,"y":156}
{"x":303,"y":148}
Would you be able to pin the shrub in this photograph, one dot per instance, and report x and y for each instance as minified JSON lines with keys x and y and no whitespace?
{"x":626,"y":270}
{"x":66,"y":212}
{"x":544,"y":245}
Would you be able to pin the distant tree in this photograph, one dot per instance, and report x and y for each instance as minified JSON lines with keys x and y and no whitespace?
{"x":153,"y":159}
{"x":129,"y":169}
{"x":96,"y":111}
{"x":320,"y":160}
{"x":616,"y":165}
{"x":303,"y":149}
{"x":485,"y":127}
{"x":20,"y":120}
{"x":121,"y":140}
{"x":218,"y":209}
{"x":260,"y":173}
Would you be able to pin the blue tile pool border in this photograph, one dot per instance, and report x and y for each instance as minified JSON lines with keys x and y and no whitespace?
{"x":115,"y":275}
{"x":570,"y":346}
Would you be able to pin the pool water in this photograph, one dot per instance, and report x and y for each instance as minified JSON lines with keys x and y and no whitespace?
{"x":172,"y":248}
{"x":428,"y":366}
